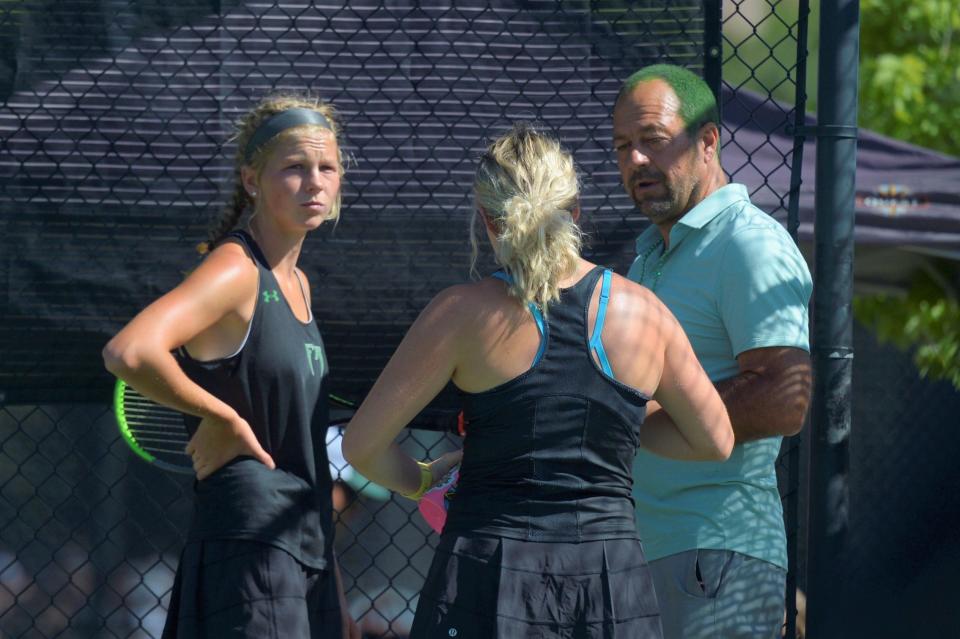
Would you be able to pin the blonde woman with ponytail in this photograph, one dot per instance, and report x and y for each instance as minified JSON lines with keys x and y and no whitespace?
{"x":227,"y":347}
{"x":555,"y":360}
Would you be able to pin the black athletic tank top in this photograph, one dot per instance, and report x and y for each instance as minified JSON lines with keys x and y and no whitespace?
{"x":277,"y":381}
{"x":548,"y":454}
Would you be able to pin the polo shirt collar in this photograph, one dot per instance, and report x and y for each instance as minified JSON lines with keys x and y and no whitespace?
{"x":697,"y":217}
{"x":713,"y":205}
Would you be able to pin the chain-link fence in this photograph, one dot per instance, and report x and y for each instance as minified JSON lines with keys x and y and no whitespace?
{"x":113,"y":160}
{"x":902,"y":552}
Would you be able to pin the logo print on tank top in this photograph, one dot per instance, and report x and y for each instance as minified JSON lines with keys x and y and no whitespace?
{"x":271,"y":296}
{"x":315,"y":355}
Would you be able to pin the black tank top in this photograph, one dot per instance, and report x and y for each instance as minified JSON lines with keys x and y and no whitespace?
{"x":548,"y":454}
{"x":277,"y":381}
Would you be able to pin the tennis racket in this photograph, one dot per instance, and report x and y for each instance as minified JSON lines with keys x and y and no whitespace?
{"x":158,"y":435}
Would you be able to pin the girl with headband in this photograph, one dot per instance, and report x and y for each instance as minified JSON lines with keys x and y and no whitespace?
{"x":235,"y":345}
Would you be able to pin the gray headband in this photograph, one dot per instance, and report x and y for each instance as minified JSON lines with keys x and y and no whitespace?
{"x":279,"y":122}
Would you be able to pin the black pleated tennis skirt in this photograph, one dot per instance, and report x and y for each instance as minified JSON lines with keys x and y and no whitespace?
{"x":236,"y":589}
{"x":499,"y":588}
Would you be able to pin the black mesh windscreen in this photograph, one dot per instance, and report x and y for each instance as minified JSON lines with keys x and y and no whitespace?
{"x":115,"y":155}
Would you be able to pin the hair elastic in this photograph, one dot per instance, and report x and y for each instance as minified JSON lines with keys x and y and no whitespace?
{"x":282,"y":121}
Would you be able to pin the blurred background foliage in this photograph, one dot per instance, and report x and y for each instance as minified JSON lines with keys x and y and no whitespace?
{"x":910,"y":90}
{"x":910,"y":71}
{"x":925,"y":321}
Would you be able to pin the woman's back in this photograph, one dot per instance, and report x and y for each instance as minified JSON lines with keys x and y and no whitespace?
{"x":504,"y":340}
{"x":540,"y":536}
{"x":548,"y":450}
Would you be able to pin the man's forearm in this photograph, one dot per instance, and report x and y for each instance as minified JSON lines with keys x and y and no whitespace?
{"x":765,"y":405}
{"x":768,"y":397}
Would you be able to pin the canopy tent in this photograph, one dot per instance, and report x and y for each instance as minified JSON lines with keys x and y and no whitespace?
{"x":906,"y":195}
{"x":907,"y":199}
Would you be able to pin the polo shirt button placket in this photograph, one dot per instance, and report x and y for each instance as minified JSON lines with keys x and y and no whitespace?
{"x":659,"y":271}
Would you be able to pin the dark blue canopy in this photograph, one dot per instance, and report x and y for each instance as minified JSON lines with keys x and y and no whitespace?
{"x":907,"y":196}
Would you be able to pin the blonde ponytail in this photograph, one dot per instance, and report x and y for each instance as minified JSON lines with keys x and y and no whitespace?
{"x":527,"y":186}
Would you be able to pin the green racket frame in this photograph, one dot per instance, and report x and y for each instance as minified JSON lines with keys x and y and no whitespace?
{"x":120,"y":411}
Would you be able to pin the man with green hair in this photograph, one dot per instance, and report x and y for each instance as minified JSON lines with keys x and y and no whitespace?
{"x":714,"y":532}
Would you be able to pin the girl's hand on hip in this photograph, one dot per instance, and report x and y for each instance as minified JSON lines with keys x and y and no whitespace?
{"x":440,"y":466}
{"x":217,"y":441}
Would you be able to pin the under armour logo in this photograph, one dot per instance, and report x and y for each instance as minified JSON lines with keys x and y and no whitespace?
{"x":315,"y":354}
{"x":271,"y":296}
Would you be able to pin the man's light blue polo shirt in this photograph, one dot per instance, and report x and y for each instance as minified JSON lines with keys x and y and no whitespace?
{"x":735,"y":281}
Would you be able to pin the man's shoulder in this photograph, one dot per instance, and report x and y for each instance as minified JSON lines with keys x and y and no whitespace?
{"x":749,"y":237}
{"x":748,"y":226}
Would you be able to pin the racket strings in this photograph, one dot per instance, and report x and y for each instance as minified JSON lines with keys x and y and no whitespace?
{"x":159,"y":435}
{"x":155,"y":428}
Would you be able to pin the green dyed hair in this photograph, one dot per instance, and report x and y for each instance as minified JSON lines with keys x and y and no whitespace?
{"x":698,"y":105}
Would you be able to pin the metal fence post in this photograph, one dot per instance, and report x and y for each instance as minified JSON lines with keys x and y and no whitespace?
{"x":832,"y":320}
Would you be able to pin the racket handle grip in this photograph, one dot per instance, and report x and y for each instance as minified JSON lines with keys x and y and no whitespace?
{"x":435,"y":502}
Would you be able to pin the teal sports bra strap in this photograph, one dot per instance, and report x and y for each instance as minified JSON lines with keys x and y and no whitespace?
{"x":596,"y":344}
{"x":537,"y":317}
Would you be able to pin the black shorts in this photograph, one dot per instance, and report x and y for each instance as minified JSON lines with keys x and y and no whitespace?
{"x":490,"y":588}
{"x":246,"y":589}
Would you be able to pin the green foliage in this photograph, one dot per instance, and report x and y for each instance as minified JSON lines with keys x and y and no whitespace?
{"x":910,"y":71}
{"x":760,"y":47}
{"x":910,"y":89}
{"x":909,"y":62}
{"x":926,"y":322}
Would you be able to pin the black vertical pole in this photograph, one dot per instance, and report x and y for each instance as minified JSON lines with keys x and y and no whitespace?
{"x":713,"y":48}
{"x":795,"y":493}
{"x":799,"y":116}
{"x":832,"y":320}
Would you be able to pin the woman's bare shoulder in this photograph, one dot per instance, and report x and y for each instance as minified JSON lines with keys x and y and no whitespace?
{"x":465,"y":298}
{"x":636,"y":315}
{"x":469,"y":307}
{"x":231,"y":255}
{"x":631,"y":297}
{"x":226,"y":271}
